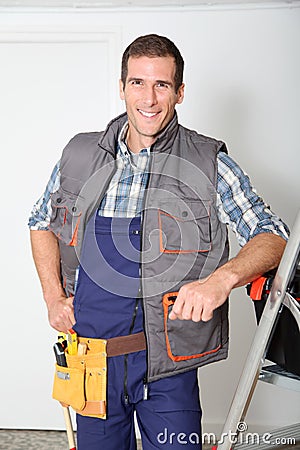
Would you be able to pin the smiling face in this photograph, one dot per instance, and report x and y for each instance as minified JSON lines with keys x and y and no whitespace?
{"x":150,"y":98}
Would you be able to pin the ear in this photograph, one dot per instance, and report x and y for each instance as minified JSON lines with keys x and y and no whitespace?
{"x":121,"y":90}
{"x":180,"y":93}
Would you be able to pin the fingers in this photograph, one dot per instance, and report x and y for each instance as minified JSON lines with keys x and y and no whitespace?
{"x":207,"y":314}
{"x":177,"y":308}
{"x":194,"y":303}
{"x":183,"y":307}
{"x":197,"y":312}
{"x":61,"y":315}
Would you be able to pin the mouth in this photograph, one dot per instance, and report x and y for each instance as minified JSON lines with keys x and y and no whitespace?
{"x":148,"y":115}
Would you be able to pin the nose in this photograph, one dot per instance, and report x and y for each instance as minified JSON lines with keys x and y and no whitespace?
{"x":149,"y":96}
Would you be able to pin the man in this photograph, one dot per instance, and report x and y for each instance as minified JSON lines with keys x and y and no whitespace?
{"x":133,"y":223}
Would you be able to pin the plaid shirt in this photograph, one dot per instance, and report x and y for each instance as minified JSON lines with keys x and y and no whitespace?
{"x":125,"y":193}
{"x":238,"y":204}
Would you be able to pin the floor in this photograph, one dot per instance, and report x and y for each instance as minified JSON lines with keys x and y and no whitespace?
{"x":34,"y":440}
{"x":57,"y":440}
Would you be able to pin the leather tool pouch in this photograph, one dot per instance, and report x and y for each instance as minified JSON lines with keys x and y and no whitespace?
{"x":82,"y":384}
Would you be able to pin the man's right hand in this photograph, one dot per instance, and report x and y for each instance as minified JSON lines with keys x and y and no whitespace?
{"x":61,"y":314}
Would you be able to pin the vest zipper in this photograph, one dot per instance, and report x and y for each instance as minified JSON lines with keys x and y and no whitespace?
{"x":126,"y":396}
{"x":145,"y":389}
{"x":150,"y":169}
{"x":140,"y":296}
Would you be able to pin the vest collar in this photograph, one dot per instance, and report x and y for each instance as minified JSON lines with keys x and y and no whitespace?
{"x":163,"y":142}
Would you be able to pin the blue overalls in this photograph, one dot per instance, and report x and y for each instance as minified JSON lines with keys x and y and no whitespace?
{"x":168,"y":410}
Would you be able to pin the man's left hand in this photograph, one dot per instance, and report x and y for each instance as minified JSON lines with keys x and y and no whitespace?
{"x":197,"y":300}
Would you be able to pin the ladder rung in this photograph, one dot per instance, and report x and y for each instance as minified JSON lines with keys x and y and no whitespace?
{"x":278,"y":376}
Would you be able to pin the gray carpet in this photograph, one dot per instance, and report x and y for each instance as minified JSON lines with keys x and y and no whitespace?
{"x":57,"y":440}
{"x":31,"y":440}
{"x":35,"y":440}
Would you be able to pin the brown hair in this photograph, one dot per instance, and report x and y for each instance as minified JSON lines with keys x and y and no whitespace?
{"x":152,"y":46}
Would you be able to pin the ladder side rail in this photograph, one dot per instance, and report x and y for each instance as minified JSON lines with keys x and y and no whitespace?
{"x":255,"y":359}
{"x":293,"y":306}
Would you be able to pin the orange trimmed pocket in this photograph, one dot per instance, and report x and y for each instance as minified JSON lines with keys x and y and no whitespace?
{"x":186,"y":229}
{"x":186,"y":339}
{"x":65,"y":217}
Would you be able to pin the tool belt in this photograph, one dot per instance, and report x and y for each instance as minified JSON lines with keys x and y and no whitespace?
{"x":83,"y":383}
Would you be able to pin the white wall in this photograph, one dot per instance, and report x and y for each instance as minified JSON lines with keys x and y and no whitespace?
{"x":58,"y":76}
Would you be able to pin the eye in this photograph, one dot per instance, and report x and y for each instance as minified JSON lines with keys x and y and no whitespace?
{"x":136,"y":82}
{"x":162,"y":85}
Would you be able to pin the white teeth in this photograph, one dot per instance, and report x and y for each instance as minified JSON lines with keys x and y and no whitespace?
{"x":146,"y":114}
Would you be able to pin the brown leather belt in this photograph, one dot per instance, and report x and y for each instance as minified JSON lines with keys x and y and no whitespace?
{"x":120,"y":345}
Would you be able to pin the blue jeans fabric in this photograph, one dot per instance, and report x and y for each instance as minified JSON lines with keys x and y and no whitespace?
{"x":170,"y":418}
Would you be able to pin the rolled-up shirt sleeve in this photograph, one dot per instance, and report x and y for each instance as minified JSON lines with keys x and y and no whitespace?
{"x":240,"y":207}
{"x":41,"y":211}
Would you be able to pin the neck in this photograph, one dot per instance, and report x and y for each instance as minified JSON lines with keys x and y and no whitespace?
{"x":137,"y":143}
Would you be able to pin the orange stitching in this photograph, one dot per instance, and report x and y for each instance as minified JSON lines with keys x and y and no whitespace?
{"x":162,"y":248}
{"x":74,"y":240}
{"x":166,"y":304}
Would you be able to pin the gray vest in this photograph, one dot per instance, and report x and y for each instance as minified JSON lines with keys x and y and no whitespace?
{"x":182,"y":237}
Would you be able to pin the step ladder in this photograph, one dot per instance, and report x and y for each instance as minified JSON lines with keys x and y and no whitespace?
{"x":253,"y":369}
